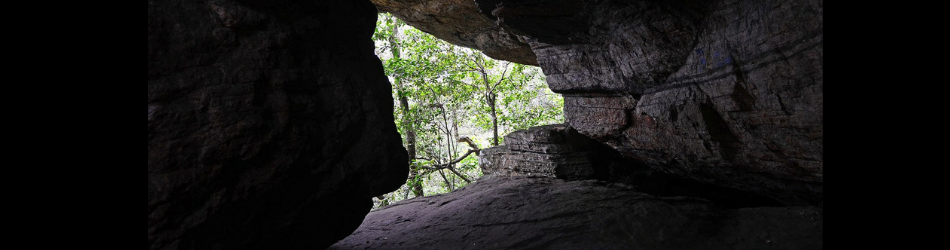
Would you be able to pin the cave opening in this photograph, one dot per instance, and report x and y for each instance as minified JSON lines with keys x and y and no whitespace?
{"x":270,"y":125}
{"x":451,"y":102}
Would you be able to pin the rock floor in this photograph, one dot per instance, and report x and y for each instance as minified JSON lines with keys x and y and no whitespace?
{"x":547,"y":213}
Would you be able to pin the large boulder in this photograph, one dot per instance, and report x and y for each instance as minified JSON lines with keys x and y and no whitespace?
{"x":270,"y":123}
{"x":546,"y":213}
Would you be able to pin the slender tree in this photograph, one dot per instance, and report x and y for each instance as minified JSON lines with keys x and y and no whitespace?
{"x":402,"y":94}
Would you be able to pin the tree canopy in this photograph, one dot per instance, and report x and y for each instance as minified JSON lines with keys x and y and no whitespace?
{"x":451,"y":102}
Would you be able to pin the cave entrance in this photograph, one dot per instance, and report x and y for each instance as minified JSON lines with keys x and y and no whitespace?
{"x":451,"y":101}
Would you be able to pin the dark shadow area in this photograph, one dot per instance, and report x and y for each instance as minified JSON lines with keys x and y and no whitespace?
{"x":610,"y":166}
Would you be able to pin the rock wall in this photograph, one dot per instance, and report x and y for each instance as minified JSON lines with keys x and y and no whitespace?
{"x":559,"y":151}
{"x":270,"y":123}
{"x":725,"y":92}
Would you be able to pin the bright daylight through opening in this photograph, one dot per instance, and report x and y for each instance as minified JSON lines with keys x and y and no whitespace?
{"x":451,"y":102}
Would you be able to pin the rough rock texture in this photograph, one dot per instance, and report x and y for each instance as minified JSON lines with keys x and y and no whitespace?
{"x":550,"y":151}
{"x":547,"y":213}
{"x":269,"y":123}
{"x":726,"y":92}
{"x":559,"y":151}
{"x":459,"y":22}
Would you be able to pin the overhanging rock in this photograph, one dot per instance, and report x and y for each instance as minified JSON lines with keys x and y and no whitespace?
{"x":459,"y":22}
{"x":726,"y":92}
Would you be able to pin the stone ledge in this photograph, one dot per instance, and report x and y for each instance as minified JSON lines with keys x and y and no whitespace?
{"x":556,"y":151}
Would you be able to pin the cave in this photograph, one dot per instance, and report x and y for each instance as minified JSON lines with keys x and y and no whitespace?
{"x":690,"y":124}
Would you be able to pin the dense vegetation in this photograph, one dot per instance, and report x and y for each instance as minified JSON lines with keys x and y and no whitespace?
{"x":452,"y":101}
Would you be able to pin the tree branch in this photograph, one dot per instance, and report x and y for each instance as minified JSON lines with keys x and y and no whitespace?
{"x":422,"y":158}
{"x":502,"y":79}
{"x":451,"y":186}
{"x":461,"y":176}
{"x":445,"y":166}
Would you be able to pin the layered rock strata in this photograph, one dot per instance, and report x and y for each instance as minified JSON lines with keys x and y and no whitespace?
{"x":546,"y":213}
{"x":270,"y":123}
{"x":460,"y":23}
{"x":725,"y":92}
{"x":559,"y":151}
{"x":556,"y":151}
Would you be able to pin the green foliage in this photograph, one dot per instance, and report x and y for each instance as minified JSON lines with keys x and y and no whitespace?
{"x":443,"y":92}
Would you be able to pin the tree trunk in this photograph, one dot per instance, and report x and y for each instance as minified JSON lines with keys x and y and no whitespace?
{"x":494,"y":119}
{"x":415,"y":185}
{"x":491,"y":97}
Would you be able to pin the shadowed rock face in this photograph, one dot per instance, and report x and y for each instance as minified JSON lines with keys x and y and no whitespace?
{"x":269,"y":123}
{"x":725,"y":92}
{"x":559,"y":151}
{"x":459,"y":22}
{"x":547,"y":213}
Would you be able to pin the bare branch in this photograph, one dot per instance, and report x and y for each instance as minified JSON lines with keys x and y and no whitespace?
{"x":500,"y":80}
{"x":479,"y":64}
{"x":460,"y":175}
{"x":445,"y":166}
{"x":451,"y":187}
{"x":471,"y":144}
{"x":423,"y":158}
